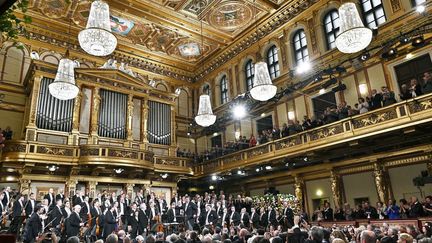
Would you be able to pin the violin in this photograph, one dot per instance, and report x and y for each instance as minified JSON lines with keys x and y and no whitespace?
{"x":159,"y":226}
{"x":97,"y":227}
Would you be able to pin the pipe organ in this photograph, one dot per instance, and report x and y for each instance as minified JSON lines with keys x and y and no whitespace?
{"x":159,"y":123}
{"x":52,"y":113}
{"x":112,"y":108}
{"x":112,"y":115}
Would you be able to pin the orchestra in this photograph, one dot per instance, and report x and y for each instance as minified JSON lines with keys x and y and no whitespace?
{"x":96,"y":218}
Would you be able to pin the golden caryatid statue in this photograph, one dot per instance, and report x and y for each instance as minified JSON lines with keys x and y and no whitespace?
{"x":379,"y":182}
{"x":298,"y":189}
{"x":335,"y":186}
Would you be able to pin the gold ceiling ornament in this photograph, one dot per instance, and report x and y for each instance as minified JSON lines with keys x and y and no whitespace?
{"x":230,"y":15}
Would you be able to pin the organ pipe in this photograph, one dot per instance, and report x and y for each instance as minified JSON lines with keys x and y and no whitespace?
{"x":112,"y":116}
{"x":52,"y":113}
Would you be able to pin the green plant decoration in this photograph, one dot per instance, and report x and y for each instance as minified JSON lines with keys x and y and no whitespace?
{"x":10,"y":25}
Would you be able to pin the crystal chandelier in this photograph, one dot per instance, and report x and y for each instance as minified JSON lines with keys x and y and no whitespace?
{"x":353,"y":36}
{"x":97,"y":39}
{"x":263,"y":88}
{"x":63,"y":87}
{"x":205,"y":115}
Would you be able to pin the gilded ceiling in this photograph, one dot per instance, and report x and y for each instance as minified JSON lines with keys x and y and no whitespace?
{"x":162,"y":26}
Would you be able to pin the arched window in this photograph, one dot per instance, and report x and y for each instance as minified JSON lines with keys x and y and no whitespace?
{"x":249,"y":68}
{"x":415,"y":3}
{"x":331,"y":28}
{"x":373,"y":13}
{"x":224,"y":89}
{"x":273,"y":62}
{"x":300,"y":46}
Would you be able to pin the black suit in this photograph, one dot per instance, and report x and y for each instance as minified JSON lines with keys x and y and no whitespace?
{"x":245,"y":219}
{"x":6,"y":198}
{"x":78,"y":201}
{"x":30,"y":208}
{"x":55,"y":216}
{"x":328,"y":214}
{"x":263,"y":219}
{"x":16,"y":217}
{"x":109,"y":224}
{"x":234,"y":218}
{"x":271,"y":219}
{"x":223,"y":220}
{"x":50,"y":197}
{"x":85,"y":211}
{"x":255,"y":220}
{"x":152,"y":216}
{"x":190,"y":210}
{"x":95,"y":213}
{"x":143,"y":221}
{"x":133,"y":220}
{"x":73,"y":226}
{"x":416,"y":210}
{"x":376,"y":101}
{"x":209,"y":217}
{"x":289,"y":216}
{"x":171,"y":216}
{"x":33,"y":228}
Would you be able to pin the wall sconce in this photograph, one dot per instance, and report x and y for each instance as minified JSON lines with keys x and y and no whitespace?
{"x":363,"y":89}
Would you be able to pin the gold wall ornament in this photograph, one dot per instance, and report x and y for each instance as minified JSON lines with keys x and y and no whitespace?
{"x":298,"y":189}
{"x":396,"y":5}
{"x":335,"y":182}
{"x":95,"y":116}
{"x":91,"y":187}
{"x":34,"y":100}
{"x":380,"y":183}
{"x":24,"y":185}
{"x":70,"y":187}
{"x":77,"y":110}
{"x":129,"y":115}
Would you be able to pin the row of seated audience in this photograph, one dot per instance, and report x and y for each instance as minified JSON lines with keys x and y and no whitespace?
{"x":332,"y":114}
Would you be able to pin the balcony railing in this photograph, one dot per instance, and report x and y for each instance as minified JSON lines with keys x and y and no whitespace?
{"x":38,"y":152}
{"x":396,"y":116}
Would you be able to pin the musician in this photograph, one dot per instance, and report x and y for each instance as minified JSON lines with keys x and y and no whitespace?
{"x":133,"y":219}
{"x":234,"y":218}
{"x":60,"y":195}
{"x":143,"y":219}
{"x":244,"y":217}
{"x":210,"y":217}
{"x":30,"y":205}
{"x":45,"y":205}
{"x":254,"y":219}
{"x":78,"y":198}
{"x":7,"y":196}
{"x":219,"y":210}
{"x":17,"y":213}
{"x":74,"y":222}
{"x":139,"y":198}
{"x":56,"y":215}
{"x":50,"y":197}
{"x":288,"y":216}
{"x":153,"y":214}
{"x":263,"y":218}
{"x":66,"y":211}
{"x":328,"y":212}
{"x":34,"y":226}
{"x":162,"y":206}
{"x":3,"y":210}
{"x":172,"y":214}
{"x":271,"y":216}
{"x":224,"y":220}
{"x":97,"y":215}
{"x":110,"y":222}
{"x":85,"y":209}
{"x":175,"y":198}
{"x":190,"y":211}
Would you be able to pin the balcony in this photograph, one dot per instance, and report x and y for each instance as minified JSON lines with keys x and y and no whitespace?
{"x":398,"y":116}
{"x":20,"y":151}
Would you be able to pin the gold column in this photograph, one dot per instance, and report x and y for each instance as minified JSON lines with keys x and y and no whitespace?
{"x":24,"y":185}
{"x":380,"y":184}
{"x":31,"y":126}
{"x":74,"y":139}
{"x":336,"y":188}
{"x":129,"y":115}
{"x":298,"y":189}
{"x":91,"y":185}
{"x":70,"y":187}
{"x":95,"y":116}
{"x":144,"y":119}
